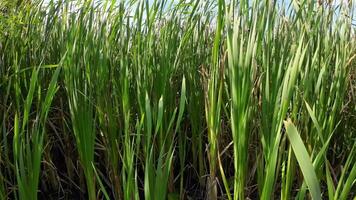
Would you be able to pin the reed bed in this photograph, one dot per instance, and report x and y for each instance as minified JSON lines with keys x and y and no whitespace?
{"x":184,"y":99}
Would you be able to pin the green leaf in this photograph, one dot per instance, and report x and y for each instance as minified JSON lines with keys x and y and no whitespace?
{"x":303,"y":159}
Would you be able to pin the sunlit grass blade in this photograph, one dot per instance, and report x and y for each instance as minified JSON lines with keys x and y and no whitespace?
{"x":303,"y":159}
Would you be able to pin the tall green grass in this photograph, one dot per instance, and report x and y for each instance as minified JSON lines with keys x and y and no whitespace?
{"x":28,"y":136}
{"x":177,"y":100}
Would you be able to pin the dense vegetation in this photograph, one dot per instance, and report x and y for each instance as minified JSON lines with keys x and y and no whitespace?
{"x":177,"y":100}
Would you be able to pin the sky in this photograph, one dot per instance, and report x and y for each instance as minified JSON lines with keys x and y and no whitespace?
{"x":287,"y":2}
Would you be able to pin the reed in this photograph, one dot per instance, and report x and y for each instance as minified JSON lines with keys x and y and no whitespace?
{"x":159,"y":99}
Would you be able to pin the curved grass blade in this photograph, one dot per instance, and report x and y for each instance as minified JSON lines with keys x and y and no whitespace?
{"x":303,"y":159}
